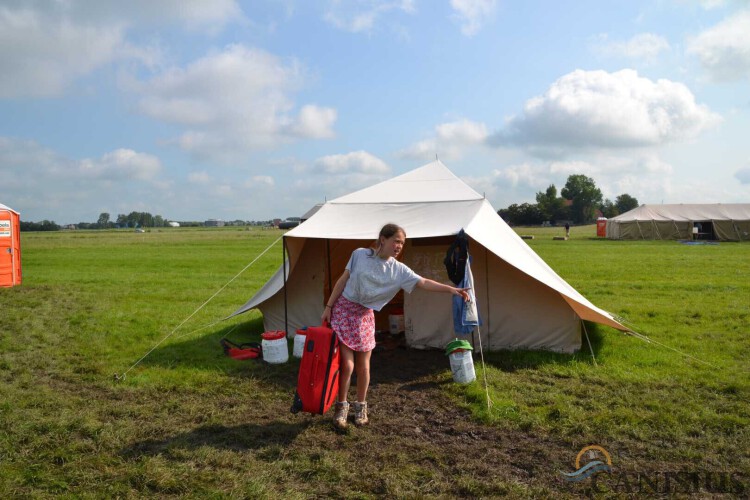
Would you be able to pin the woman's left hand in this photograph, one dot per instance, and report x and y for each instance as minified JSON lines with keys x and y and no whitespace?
{"x":463,"y":293}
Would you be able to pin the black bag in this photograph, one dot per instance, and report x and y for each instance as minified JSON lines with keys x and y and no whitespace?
{"x":455,"y":258}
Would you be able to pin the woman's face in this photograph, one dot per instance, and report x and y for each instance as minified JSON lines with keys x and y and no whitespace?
{"x":391,"y":247}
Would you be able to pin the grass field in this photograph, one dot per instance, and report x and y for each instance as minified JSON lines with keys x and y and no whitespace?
{"x":187,"y":421}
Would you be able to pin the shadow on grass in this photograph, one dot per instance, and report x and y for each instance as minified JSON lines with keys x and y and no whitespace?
{"x":238,"y":438}
{"x":510,"y":361}
{"x":399,"y":365}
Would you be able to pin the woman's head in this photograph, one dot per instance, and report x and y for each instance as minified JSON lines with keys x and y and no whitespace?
{"x":391,"y":241}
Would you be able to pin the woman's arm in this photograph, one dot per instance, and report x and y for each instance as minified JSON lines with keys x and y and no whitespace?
{"x":434,"y":286}
{"x":335,"y":294}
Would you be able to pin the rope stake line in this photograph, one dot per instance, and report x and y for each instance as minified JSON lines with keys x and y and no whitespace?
{"x":484,"y":372}
{"x":588,"y":340}
{"x":121,"y":377}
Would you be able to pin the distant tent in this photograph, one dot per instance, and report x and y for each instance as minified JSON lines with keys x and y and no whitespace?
{"x":719,"y":221}
{"x":522,"y":301}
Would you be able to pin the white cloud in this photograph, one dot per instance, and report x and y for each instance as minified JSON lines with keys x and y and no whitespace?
{"x":121,"y":164}
{"x":643,"y":47}
{"x":524,"y":175}
{"x":233,"y":102}
{"x":743,"y":175}
{"x":48,"y":185}
{"x":46,"y":46}
{"x":260,"y":181}
{"x":355,"y":162}
{"x":199,"y":178}
{"x":363,"y":15}
{"x":724,"y":50}
{"x":597,"y":109}
{"x":472,"y":14}
{"x":40,"y":57}
{"x":314,"y":122}
{"x":450,"y":141}
{"x":462,"y":132}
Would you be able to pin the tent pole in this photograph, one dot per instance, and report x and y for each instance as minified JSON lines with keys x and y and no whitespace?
{"x":487,"y":294}
{"x":328,"y":257}
{"x":286,"y":312}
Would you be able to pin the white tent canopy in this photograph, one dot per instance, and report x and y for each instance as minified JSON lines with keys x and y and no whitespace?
{"x":522,"y":301}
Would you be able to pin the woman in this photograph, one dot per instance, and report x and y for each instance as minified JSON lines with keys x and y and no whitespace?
{"x":371,"y":279}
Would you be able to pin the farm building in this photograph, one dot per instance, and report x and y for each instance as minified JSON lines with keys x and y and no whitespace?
{"x":719,"y":221}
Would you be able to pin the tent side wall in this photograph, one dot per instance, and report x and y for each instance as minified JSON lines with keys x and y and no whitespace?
{"x":732,"y":230}
{"x":304,"y":291}
{"x":517,"y":312}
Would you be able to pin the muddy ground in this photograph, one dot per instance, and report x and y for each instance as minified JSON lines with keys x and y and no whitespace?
{"x":420,"y":443}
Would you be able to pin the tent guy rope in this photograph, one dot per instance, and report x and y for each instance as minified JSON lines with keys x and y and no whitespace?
{"x":121,"y":377}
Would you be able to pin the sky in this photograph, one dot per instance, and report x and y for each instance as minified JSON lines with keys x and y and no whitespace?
{"x":253,"y":110}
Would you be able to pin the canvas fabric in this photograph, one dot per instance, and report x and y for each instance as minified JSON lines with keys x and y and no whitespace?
{"x":523,"y":302}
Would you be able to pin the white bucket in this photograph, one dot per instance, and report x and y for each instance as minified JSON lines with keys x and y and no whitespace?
{"x":275,"y":351}
{"x":299,"y":345}
{"x":396,"y":323}
{"x":462,"y":366}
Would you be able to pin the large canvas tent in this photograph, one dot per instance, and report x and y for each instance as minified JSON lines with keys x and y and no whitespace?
{"x":523,"y":303}
{"x":724,"y":222}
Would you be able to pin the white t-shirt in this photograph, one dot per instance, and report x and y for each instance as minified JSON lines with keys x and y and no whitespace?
{"x":373,"y":281}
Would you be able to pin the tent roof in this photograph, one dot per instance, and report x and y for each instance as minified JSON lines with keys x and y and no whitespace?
{"x":687,"y":212}
{"x":428,"y":201}
{"x":3,"y":207}
{"x":431,"y":183}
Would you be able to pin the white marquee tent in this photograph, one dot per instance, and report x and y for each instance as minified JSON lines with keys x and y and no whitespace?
{"x":522,"y":301}
{"x":717,"y":221}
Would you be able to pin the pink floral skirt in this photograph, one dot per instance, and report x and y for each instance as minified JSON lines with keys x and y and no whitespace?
{"x":354,"y":324}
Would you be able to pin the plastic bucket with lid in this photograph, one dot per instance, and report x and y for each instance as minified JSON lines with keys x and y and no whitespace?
{"x":396,"y":322}
{"x":462,"y":364}
{"x":275,"y":347}
{"x":299,"y":342}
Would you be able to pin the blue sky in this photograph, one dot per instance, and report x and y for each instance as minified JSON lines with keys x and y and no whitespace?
{"x":254,"y":110}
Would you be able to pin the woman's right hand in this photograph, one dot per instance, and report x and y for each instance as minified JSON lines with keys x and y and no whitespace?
{"x":326,"y":316}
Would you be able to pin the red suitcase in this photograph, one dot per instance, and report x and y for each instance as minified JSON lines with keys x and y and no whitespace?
{"x":318,"y":381}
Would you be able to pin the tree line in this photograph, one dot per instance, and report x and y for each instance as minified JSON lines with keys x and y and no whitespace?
{"x":580,"y":202}
{"x":131,"y":220}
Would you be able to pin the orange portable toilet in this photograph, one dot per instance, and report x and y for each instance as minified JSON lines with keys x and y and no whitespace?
{"x":10,"y":246}
{"x":601,"y":227}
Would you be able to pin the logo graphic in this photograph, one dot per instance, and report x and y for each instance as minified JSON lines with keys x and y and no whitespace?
{"x":598,"y":461}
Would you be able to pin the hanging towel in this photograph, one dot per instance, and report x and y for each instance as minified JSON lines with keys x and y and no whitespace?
{"x":465,"y":313}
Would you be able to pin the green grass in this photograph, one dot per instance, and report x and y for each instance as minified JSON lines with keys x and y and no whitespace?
{"x":187,"y":421}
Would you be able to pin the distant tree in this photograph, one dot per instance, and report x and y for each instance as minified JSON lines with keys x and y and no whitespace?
{"x":551,"y":206}
{"x":122,"y":220}
{"x":103,"y":220}
{"x":625,"y":203}
{"x":609,"y":209}
{"x":586,"y":197}
{"x":45,"y":225}
{"x":525,"y":214}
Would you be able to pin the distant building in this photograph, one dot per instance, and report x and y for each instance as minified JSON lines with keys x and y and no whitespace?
{"x":214,"y":223}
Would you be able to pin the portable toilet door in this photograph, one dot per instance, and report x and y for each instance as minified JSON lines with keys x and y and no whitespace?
{"x":10,"y":247}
